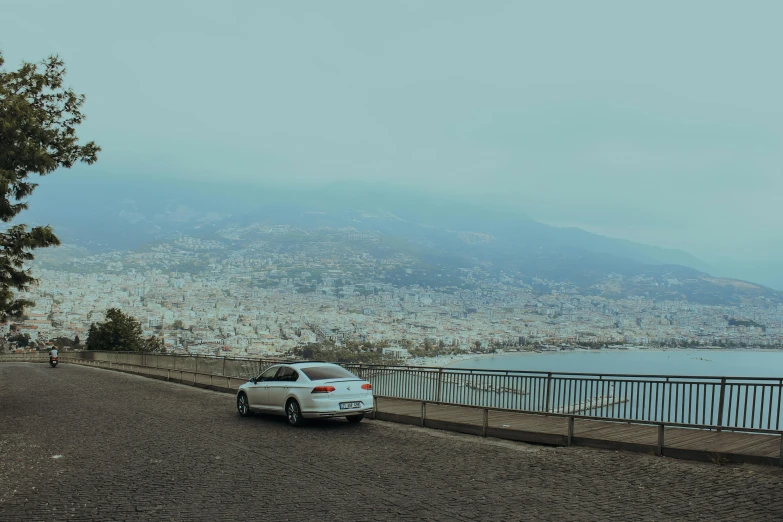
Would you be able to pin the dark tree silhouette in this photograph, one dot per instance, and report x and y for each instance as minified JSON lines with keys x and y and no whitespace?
{"x":38,"y":120}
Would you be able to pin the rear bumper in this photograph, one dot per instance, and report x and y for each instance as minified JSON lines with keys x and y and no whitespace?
{"x":327,"y":407}
{"x":338,"y":413}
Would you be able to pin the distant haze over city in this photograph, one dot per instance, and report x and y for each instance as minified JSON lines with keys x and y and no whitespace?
{"x":661,"y":125}
{"x":128,"y":214}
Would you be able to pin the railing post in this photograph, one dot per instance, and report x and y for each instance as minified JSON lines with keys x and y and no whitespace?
{"x":224,"y":365}
{"x":721,"y":401}
{"x":168,"y":374}
{"x":423,"y":413}
{"x":440,"y":376}
{"x":548,"y":390}
{"x":780,"y":457}
{"x":485,"y":423}
{"x":196,"y":363}
{"x":570,"y":430}
{"x":780,"y":401}
{"x":659,"y":449}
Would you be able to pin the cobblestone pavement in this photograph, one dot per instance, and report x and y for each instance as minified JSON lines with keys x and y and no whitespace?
{"x":88,"y":444}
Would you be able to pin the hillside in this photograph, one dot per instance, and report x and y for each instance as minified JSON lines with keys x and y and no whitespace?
{"x":435,"y":237}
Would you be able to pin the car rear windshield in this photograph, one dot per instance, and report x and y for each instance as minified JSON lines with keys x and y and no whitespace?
{"x":320,"y":373}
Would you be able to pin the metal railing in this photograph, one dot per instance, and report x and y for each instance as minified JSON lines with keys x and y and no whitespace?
{"x":732,"y":403}
{"x":222,"y":366}
{"x":195,"y":378}
{"x":751,"y":403}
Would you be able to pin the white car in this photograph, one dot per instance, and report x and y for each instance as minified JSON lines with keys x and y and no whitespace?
{"x":306,"y":390}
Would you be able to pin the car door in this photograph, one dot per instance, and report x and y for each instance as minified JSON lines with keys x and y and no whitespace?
{"x":278,"y":389}
{"x":258,"y":393}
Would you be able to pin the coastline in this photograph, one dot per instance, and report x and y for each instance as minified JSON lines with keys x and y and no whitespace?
{"x":445,"y":361}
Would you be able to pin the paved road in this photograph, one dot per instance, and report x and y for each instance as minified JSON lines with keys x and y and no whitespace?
{"x":131,"y":448}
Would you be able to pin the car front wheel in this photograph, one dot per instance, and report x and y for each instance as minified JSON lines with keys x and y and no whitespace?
{"x":293,"y":413}
{"x":355,"y":418}
{"x":243,"y":407}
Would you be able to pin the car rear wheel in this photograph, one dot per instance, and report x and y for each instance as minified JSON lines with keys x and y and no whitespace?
{"x":243,"y":407}
{"x":355,"y":418}
{"x":293,"y":413}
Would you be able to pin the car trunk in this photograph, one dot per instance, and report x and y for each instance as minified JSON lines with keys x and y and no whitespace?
{"x":342,"y":391}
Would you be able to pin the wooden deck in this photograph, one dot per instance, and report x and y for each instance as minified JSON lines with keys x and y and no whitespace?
{"x":683,"y":443}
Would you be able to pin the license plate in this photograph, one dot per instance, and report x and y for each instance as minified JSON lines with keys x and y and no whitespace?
{"x":350,"y":405}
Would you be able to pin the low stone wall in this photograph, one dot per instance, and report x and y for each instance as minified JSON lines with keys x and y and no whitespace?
{"x":24,"y":357}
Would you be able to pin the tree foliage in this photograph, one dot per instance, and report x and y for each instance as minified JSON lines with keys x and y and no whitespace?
{"x":38,"y":120}
{"x":21,"y":340}
{"x":120,"y":333}
{"x":61,"y":342}
{"x":153,"y":344}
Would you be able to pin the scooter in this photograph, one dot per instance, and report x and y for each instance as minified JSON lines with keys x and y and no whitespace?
{"x":53,"y":362}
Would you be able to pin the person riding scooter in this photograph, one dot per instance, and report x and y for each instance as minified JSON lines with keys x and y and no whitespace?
{"x":53,"y":356}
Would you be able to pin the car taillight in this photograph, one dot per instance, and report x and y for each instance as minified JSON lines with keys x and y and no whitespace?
{"x":323,"y":389}
{"x":367,"y":386}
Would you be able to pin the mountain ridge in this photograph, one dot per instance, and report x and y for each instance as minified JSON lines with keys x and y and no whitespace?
{"x":467,"y":233}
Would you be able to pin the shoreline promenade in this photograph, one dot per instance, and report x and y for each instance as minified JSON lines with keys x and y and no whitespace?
{"x":79,"y":443}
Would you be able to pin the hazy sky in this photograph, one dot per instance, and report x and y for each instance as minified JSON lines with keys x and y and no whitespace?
{"x":660,"y":122}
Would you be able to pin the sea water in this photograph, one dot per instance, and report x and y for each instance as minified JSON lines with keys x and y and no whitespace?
{"x":720,"y":363}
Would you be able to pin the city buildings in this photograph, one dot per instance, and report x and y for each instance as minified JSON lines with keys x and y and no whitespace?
{"x":201,"y":298}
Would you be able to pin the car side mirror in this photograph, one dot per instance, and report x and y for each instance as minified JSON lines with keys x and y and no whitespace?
{"x":253,"y":380}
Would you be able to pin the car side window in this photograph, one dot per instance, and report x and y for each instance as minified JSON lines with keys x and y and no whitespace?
{"x":287,"y":374}
{"x":269,"y":374}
